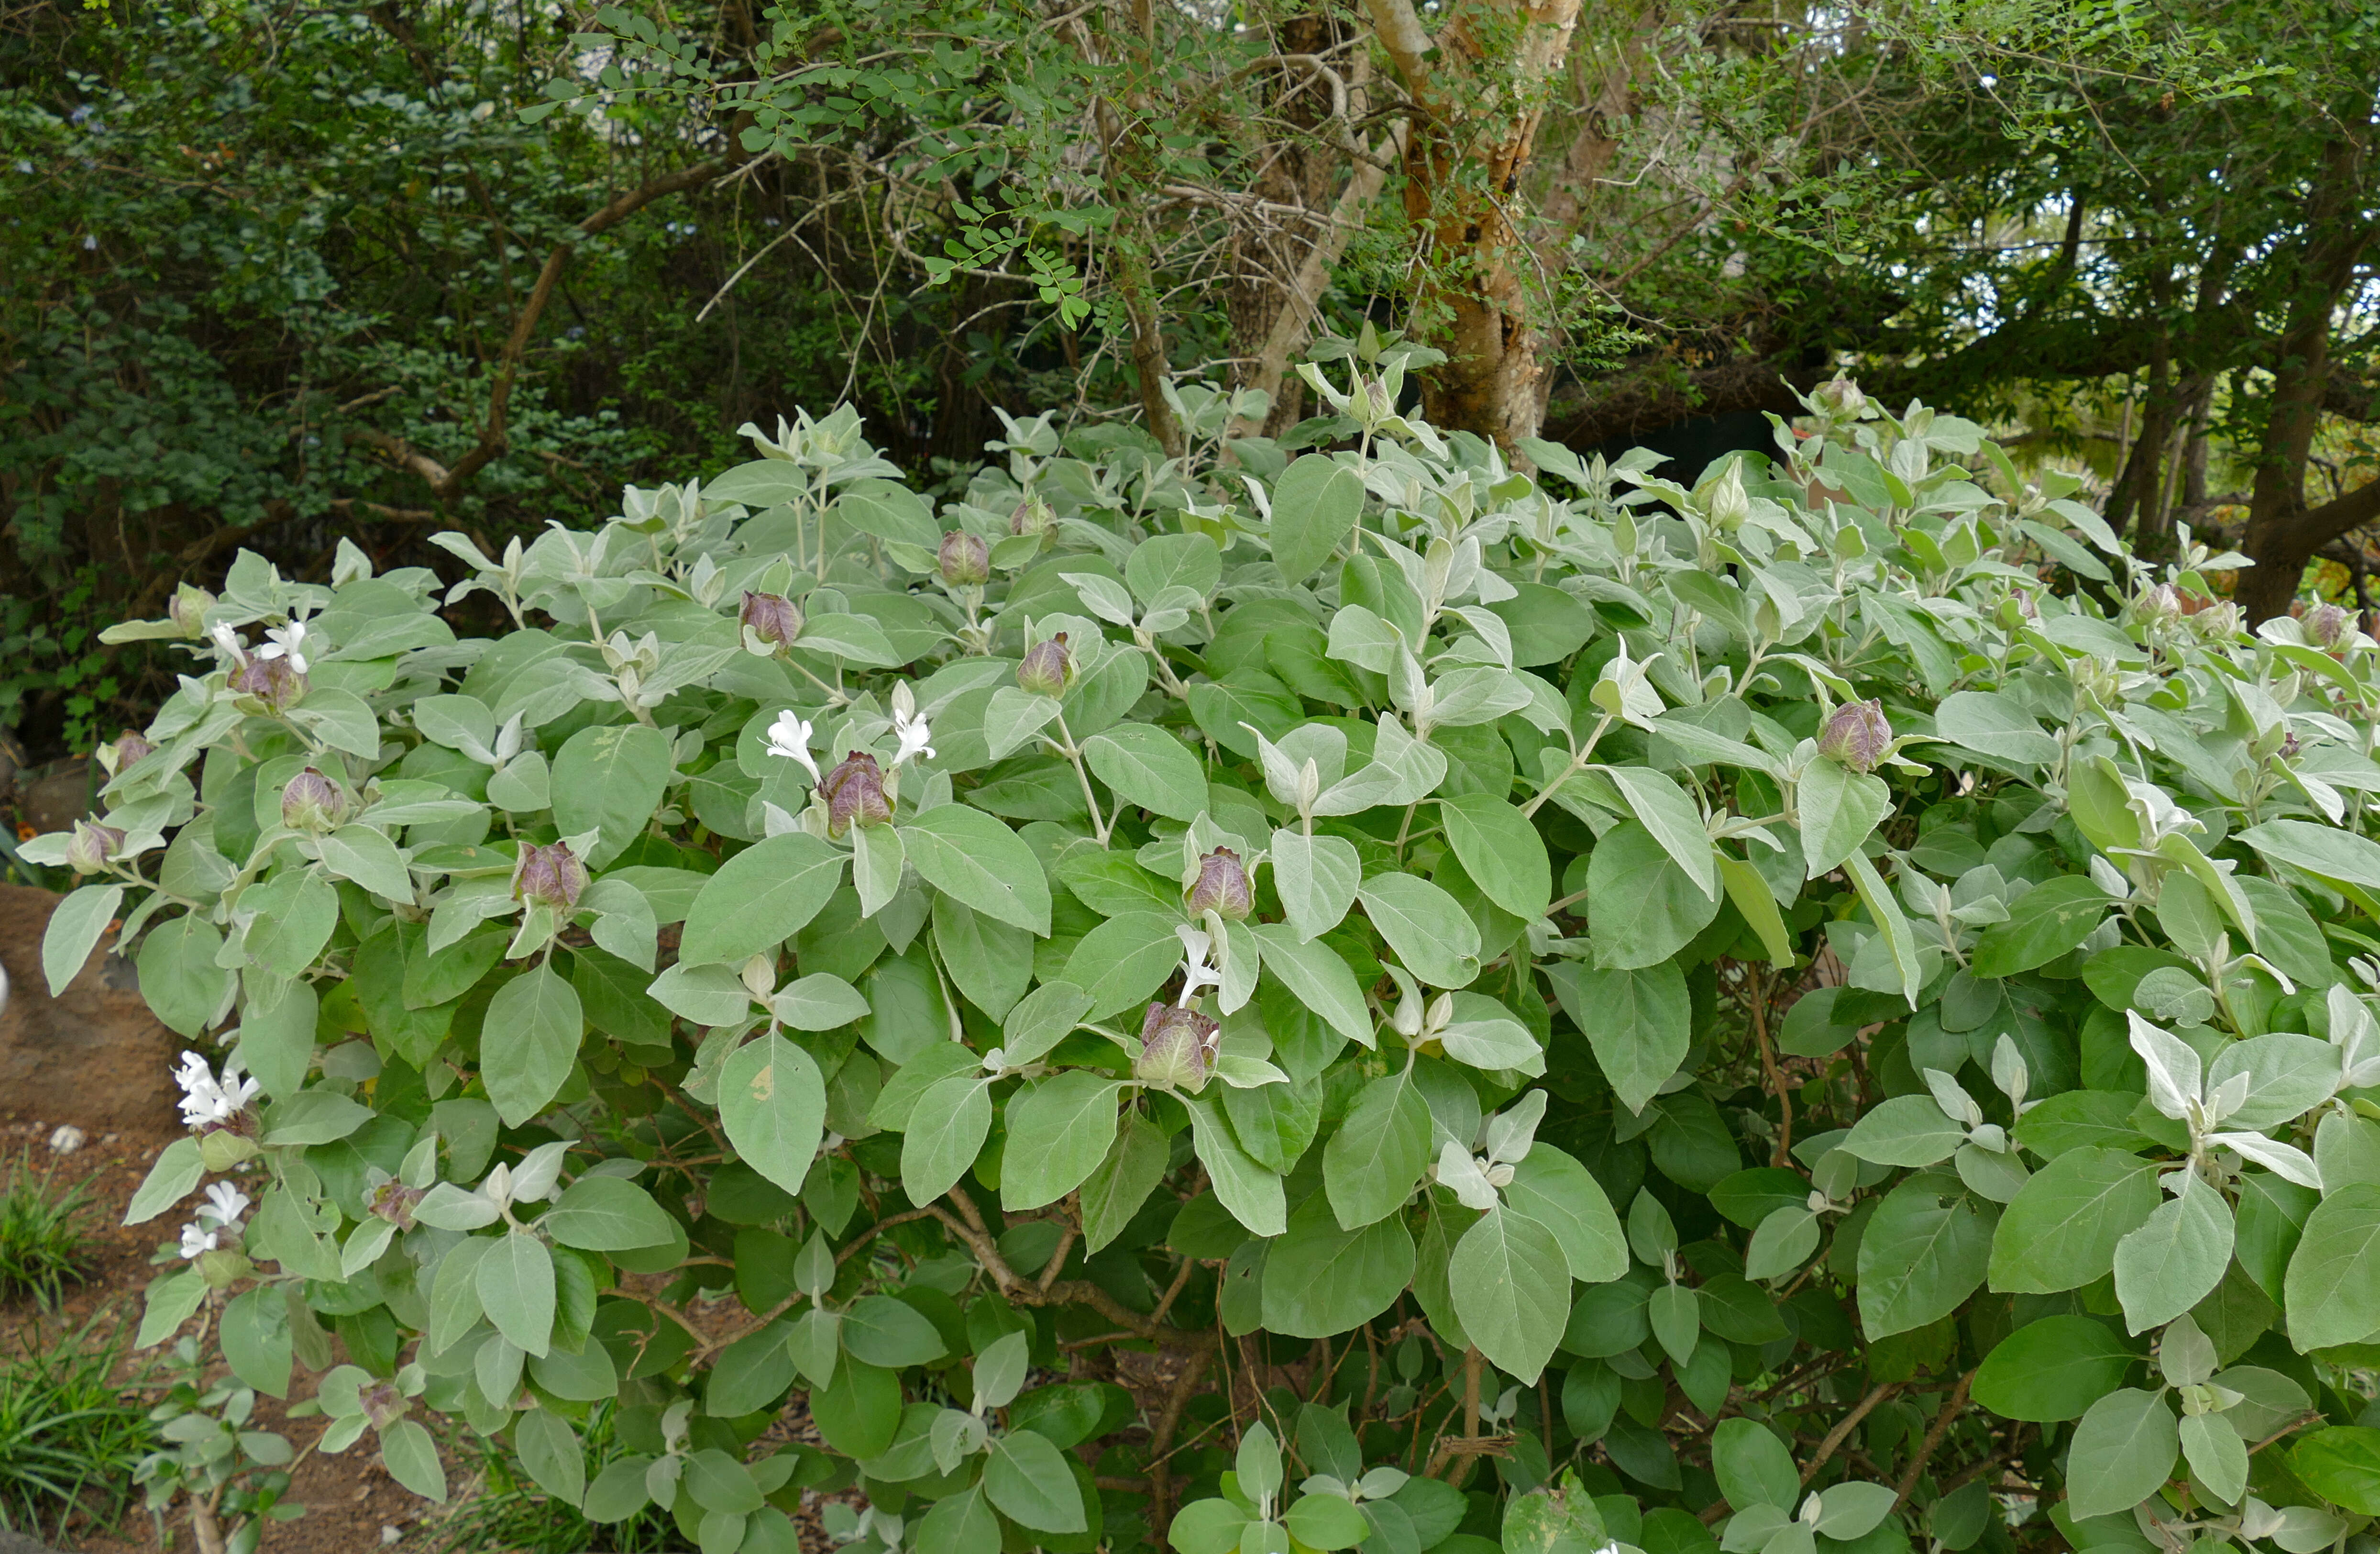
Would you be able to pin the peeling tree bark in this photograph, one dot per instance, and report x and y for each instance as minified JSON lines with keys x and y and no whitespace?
{"x":1481,"y":99}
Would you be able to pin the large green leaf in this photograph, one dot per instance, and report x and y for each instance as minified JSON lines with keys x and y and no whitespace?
{"x":944,"y":1133}
{"x":1135,"y":1162}
{"x":2327,"y":851}
{"x":1500,"y":851}
{"x":516,"y":1289}
{"x":2332,"y":1293}
{"x":1315,"y":878}
{"x":605,"y":1213}
{"x":1995,"y":727}
{"x":2053,"y":1369}
{"x":2123,"y":1450}
{"x":1316,"y":504}
{"x":1123,"y":961}
{"x":2044,"y":924}
{"x":772,"y":1103}
{"x":1510,"y":1285}
{"x":1753,"y":1466}
{"x":74,"y":930}
{"x":1432,"y":934}
{"x":1321,"y":1280}
{"x":1377,"y":1155}
{"x":981,"y":862}
{"x":1059,"y":1130}
{"x":760,"y":897}
{"x":1150,"y":768}
{"x":1637,"y":1022}
{"x":1027,"y":1478}
{"x":1252,"y":1194}
{"x":1641,"y":908}
{"x":609,"y":779}
{"x":2061,"y":1230}
{"x":2176,"y":1258}
{"x":1841,"y":809}
{"x":1923,"y":1252}
{"x":528,"y":1043}
{"x":1553,"y":1189}
{"x":2341,"y":1465}
{"x":1319,"y":979}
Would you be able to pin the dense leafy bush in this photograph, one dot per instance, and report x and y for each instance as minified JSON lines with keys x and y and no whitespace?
{"x":1226,"y":1004}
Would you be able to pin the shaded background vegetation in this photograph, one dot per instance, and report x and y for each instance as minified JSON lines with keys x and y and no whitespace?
{"x":274,"y":271}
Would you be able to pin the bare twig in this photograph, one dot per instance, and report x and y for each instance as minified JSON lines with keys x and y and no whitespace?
{"x":1952,"y":1406}
{"x":1844,"y":1426}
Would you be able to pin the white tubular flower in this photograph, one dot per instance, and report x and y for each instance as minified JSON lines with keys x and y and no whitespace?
{"x":914,"y":734}
{"x":1196,"y":974}
{"x":225,"y":1204}
{"x":227,"y":642}
{"x":206,"y":1102}
{"x":790,"y":736}
{"x":286,"y":641}
{"x":196,"y":1239}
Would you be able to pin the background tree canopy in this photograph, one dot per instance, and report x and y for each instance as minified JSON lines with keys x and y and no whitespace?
{"x":273,"y":272}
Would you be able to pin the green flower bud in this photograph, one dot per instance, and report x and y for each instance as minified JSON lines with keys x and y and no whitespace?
{"x":312,"y":803}
{"x":965,"y":559}
{"x":273,"y":681}
{"x":1857,"y":736}
{"x":1177,"y":1048}
{"x":1048,"y":668}
{"x":92,"y":846}
{"x":1033,"y":516}
{"x":128,"y":749}
{"x":773,"y":617}
{"x":854,"y":792}
{"x":550,"y":874}
{"x":188,"y":610}
{"x":223,"y":1267}
{"x":1840,"y":399}
{"x":1222,"y":887}
{"x":2326,"y":626}
{"x":220,"y":1149}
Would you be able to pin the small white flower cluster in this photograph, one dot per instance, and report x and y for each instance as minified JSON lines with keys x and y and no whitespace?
{"x":288,"y":642}
{"x":207,"y":1101}
{"x":790,"y":736}
{"x":1198,"y":974}
{"x":227,"y":642}
{"x":282,"y":642}
{"x":910,"y":725}
{"x":218,"y":1218}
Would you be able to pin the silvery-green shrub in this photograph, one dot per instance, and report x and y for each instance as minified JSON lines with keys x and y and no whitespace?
{"x":1370,"y":999}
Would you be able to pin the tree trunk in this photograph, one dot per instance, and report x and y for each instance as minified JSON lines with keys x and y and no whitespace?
{"x":1481,"y":99}
{"x":1285,"y":242}
{"x":2283,"y":532}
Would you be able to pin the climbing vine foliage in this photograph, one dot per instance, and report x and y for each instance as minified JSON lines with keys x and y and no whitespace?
{"x":1372,"y":1000}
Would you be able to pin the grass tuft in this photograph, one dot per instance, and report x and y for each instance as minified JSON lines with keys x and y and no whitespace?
{"x":46,"y":1241}
{"x":70,"y":1433}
